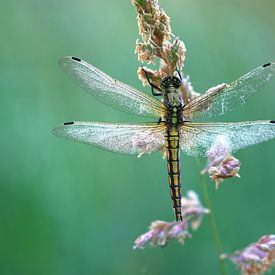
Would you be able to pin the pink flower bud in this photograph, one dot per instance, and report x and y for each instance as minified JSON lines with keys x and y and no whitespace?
{"x":256,"y":258}
{"x":161,"y":232}
{"x":221,"y":164}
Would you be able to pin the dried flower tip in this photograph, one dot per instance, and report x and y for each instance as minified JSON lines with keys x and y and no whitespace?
{"x":165,"y":24}
{"x":175,"y":55}
{"x":267,"y":243}
{"x":157,"y":235}
{"x":145,"y":52}
{"x":257,"y":258}
{"x":179,"y":232}
{"x":142,"y":240}
{"x":152,"y":21}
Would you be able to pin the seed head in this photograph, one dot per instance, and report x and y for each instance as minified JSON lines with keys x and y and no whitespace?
{"x":256,"y":258}
{"x":160,"y":233}
{"x":155,"y":31}
{"x":221,"y":164}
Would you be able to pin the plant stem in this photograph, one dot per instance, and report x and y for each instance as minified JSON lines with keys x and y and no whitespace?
{"x":212,"y":220}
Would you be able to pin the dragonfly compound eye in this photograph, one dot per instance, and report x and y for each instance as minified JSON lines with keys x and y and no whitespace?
{"x":176,"y":82}
{"x":167,"y":82}
{"x":171,"y":81}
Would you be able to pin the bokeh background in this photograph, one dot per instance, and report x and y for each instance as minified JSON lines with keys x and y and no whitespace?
{"x":67,"y":208}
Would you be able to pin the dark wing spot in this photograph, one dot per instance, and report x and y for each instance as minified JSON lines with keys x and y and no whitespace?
{"x":267,"y":64}
{"x":272,"y":121}
{"x":68,"y":123}
{"x":76,"y":59}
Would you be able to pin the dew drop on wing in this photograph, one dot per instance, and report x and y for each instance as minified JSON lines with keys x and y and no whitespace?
{"x":68,"y":123}
{"x":76,"y":59}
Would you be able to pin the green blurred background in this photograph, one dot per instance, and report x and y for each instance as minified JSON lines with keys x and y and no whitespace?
{"x":67,"y":208}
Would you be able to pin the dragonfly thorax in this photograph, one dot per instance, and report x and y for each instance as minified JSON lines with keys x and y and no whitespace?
{"x":170,"y":85}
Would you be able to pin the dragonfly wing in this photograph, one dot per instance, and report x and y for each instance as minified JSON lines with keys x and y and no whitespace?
{"x":110,"y":91}
{"x":133,"y":139}
{"x":226,"y":97}
{"x":197,"y":138}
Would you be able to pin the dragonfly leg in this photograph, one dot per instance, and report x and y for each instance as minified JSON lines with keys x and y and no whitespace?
{"x":153,"y":86}
{"x":179,"y":74}
{"x":155,"y":93}
{"x":161,"y":120}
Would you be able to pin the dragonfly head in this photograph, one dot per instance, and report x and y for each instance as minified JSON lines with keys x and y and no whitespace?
{"x":170,"y":82}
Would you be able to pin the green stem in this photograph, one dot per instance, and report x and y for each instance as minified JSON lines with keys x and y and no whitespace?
{"x":212,"y":220}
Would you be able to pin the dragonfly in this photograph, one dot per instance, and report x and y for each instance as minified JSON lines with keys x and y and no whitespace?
{"x":175,"y":126}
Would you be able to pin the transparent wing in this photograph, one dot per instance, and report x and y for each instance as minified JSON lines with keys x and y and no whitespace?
{"x":110,"y":91}
{"x":197,"y":138}
{"x":121,"y":138}
{"x":226,"y":97}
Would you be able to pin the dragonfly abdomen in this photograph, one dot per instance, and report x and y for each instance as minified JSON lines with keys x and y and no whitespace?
{"x":173,"y":165}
